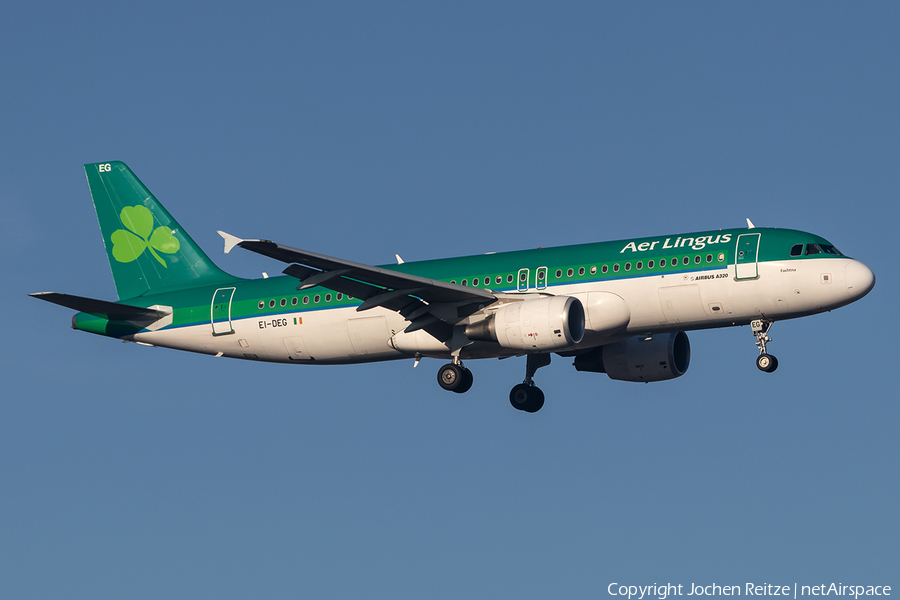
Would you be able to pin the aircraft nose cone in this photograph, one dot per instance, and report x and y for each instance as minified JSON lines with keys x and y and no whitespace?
{"x":860,"y":279}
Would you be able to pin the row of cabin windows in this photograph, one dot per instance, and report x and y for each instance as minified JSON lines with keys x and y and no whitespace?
{"x":523,"y":276}
{"x":651,"y":264}
{"x":797,"y":250}
{"x":487,"y":280}
{"x":639,"y":265}
{"x":295,"y":300}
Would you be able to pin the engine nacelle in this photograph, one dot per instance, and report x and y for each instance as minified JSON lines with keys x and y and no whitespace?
{"x":659,"y":358}
{"x":540,"y":324}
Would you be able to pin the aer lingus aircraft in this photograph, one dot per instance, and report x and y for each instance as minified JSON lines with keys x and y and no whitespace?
{"x":620,"y":308}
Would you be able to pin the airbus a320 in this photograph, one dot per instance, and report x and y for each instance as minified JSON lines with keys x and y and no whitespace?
{"x":621,"y":308}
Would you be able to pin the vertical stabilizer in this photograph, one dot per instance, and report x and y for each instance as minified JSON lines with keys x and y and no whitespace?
{"x":147,"y":249}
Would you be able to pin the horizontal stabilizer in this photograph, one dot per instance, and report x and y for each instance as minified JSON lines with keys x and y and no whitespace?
{"x":102,"y":308}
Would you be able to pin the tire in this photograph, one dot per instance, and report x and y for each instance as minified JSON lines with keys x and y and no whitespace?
{"x":537,"y":400}
{"x":465,"y":383}
{"x":766,"y":363}
{"x":519,"y":396}
{"x":527,"y":398}
{"x":450,"y":377}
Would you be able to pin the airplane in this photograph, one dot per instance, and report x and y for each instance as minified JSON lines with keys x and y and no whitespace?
{"x":621,"y":308}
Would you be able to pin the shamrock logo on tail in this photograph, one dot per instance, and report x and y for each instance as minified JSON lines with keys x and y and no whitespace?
{"x":128,"y":245}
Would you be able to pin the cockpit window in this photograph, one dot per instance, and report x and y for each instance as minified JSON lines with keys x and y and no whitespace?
{"x":829,"y":249}
{"x":797,"y":250}
{"x":813,"y":249}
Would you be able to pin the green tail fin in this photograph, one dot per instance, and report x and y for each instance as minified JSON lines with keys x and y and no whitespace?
{"x":148,"y":251}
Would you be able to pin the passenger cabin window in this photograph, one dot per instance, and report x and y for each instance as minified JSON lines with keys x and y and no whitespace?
{"x":797,"y":250}
{"x":813,"y":249}
{"x":509,"y":278}
{"x":558,"y":273}
{"x":499,"y":279}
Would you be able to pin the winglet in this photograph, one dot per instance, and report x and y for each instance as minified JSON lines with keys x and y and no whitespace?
{"x":750,"y":225}
{"x":230,"y":241}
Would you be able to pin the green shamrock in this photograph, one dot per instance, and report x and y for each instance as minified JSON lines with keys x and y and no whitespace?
{"x":128,"y":245}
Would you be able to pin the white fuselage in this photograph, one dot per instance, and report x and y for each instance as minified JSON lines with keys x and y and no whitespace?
{"x":649,"y":304}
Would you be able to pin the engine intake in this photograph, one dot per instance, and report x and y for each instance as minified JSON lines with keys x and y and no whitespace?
{"x":659,"y":358}
{"x":540,"y":324}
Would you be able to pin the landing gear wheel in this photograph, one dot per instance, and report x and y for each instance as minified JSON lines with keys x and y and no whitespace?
{"x":537,"y":402}
{"x":526,"y":397}
{"x":466,"y":382}
{"x":766,"y":363}
{"x":450,"y":377}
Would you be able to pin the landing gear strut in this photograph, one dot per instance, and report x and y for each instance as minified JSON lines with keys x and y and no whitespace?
{"x":764,"y":362}
{"x":527,"y":396}
{"x":454,"y":377}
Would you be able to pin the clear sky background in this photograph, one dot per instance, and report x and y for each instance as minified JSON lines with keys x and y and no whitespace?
{"x":432,"y":130}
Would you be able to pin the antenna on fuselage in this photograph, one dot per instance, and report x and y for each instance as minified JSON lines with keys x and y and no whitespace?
{"x":750,"y":224}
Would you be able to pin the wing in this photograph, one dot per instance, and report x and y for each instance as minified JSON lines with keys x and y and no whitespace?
{"x":435,"y":306}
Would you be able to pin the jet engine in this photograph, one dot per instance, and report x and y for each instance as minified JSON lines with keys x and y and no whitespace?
{"x":640,"y":358}
{"x":544,"y":324}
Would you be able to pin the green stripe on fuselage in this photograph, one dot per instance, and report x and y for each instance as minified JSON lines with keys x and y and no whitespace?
{"x":192,"y":306}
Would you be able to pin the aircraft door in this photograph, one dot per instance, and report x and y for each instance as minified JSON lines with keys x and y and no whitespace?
{"x":541,"y":278}
{"x":745,"y":256}
{"x":220,"y":311}
{"x":523,"y":280}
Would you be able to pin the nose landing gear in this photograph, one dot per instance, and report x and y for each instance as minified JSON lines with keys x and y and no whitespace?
{"x":764,"y":362}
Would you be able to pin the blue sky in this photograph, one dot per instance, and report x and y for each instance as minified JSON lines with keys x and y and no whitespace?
{"x":430,"y":130}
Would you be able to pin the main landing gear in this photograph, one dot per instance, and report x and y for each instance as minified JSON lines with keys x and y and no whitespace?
{"x":455,"y":377}
{"x":764,"y":362}
{"x":527,"y":396}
